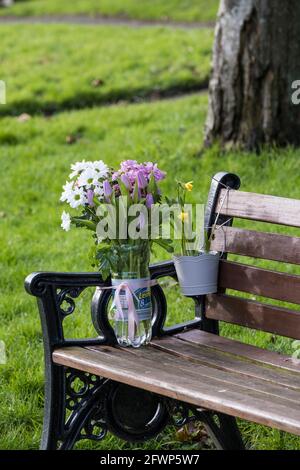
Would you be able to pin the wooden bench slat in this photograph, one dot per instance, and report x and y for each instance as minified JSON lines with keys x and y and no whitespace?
{"x":217,"y":361}
{"x":248,"y":352}
{"x":271,"y":246}
{"x":249,"y":376}
{"x":182,"y":381}
{"x":221,"y":360}
{"x":261,"y":207}
{"x":252,"y":314}
{"x":258,"y":281}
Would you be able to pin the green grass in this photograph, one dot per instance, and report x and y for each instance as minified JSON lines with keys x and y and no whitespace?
{"x":187,"y":10}
{"x":35,"y":161}
{"x":53,"y":68}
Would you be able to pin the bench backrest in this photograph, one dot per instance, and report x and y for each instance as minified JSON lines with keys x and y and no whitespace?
{"x":257,"y":281}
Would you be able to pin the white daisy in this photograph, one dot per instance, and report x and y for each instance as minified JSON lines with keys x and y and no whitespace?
{"x":65,"y":221}
{"x":67,"y":191}
{"x":101,"y":167}
{"x":78,"y":167}
{"x":89,"y":177}
{"x":77,"y":198}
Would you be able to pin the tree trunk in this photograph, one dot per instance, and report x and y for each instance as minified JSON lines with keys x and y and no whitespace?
{"x":256,"y":63}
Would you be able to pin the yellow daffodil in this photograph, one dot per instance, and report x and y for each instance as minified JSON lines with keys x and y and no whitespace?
{"x":189,"y":185}
{"x":183,"y":216}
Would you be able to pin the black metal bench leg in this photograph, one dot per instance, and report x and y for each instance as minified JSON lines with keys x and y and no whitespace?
{"x":73,"y":408}
{"x":222,"y":429}
{"x":86,"y":417}
{"x":54,"y":408}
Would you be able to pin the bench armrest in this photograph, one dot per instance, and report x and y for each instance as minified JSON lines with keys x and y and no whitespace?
{"x":163,"y":268}
{"x":56,"y":293}
{"x":37,"y":283}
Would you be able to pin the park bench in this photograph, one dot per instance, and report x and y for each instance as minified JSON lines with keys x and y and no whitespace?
{"x":188,"y":372}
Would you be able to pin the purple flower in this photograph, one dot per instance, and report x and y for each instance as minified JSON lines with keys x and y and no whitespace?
{"x":149,"y":200}
{"x":125,"y":181}
{"x":90,"y":197}
{"x":128,"y":165}
{"x":141,"y":179}
{"x":131,"y":171}
{"x":107,"y":189}
{"x":157,"y":173}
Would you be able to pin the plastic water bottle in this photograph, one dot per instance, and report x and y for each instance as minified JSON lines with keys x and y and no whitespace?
{"x":141,"y":295}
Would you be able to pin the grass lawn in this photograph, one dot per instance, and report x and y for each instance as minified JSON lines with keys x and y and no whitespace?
{"x":35,"y":161}
{"x":49,"y":68}
{"x":187,"y":10}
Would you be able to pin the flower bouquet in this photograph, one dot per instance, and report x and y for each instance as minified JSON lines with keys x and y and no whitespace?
{"x":115,"y":205}
{"x":197,"y":265}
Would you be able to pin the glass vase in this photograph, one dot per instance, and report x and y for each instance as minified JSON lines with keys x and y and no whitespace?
{"x":131,"y":308}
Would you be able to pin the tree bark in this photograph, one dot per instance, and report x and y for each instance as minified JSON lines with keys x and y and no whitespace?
{"x":256,"y":61}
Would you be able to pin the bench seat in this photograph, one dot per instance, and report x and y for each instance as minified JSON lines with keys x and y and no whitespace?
{"x":205,"y":370}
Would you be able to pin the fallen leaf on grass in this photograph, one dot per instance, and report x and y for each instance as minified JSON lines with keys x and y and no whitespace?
{"x":24,"y":117}
{"x":97,"y":82}
{"x":71,"y":139}
{"x":75,"y":135}
{"x":192,"y":432}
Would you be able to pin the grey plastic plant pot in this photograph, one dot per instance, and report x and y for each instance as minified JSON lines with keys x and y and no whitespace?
{"x":198,"y":275}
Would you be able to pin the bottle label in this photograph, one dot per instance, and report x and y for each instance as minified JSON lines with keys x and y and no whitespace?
{"x":141,"y":294}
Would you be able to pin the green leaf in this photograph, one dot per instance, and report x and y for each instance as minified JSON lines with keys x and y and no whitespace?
{"x":171,"y":202}
{"x":180,"y":184}
{"x":151,"y":184}
{"x":90,"y":214}
{"x":165,"y":244}
{"x":96,"y":201}
{"x":124,"y":190}
{"x":103,"y":246}
{"x":113,"y":199}
{"x":81,"y":222}
{"x":135,"y":193}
